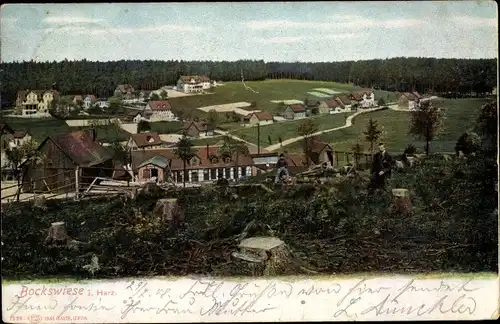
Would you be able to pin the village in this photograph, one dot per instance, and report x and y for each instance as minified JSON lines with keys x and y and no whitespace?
{"x":77,"y":158}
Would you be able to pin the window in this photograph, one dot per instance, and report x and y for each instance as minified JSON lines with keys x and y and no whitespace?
{"x":220,"y":173}
{"x":215,"y":160}
{"x":154,"y":173}
{"x":195,"y":176}
{"x":206,"y":175}
{"x":146,"y":173}
{"x":243,"y":171}
{"x":235,"y":173}
{"x":213,"y":174}
{"x":228,"y":173}
{"x":195,"y":161}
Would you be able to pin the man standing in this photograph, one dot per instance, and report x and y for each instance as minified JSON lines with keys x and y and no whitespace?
{"x":281,"y":165}
{"x":381,"y":169}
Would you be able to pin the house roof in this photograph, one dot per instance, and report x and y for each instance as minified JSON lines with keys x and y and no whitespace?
{"x":20,"y":134}
{"x":312,"y":103}
{"x":159,"y":105}
{"x":265,"y":154}
{"x":344,"y":99}
{"x":78,"y":97}
{"x":200,"y":126}
{"x":203,"y":154}
{"x":146,"y":139}
{"x":80,"y":148}
{"x":157,"y":160}
{"x":261,"y":115}
{"x":295,"y":160}
{"x":196,"y":78}
{"x":23,"y":93}
{"x":317,"y":145}
{"x":410,"y":96}
{"x":296,"y":108}
{"x":91,"y":97}
{"x":124,"y":88}
{"x":332,"y":103}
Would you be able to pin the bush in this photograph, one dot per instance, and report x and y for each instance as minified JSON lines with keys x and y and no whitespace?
{"x":329,"y":226}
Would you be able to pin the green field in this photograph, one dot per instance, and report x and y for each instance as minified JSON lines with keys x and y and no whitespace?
{"x":39,"y":128}
{"x":267,"y":90}
{"x":287,"y":129}
{"x":461,"y":114}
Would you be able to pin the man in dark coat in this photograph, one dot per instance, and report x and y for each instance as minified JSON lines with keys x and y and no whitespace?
{"x":381,"y":169}
{"x":281,"y":165}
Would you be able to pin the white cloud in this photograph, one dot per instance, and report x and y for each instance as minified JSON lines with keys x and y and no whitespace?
{"x":62,"y":20}
{"x":475,"y":21}
{"x":76,"y":30}
{"x":281,"y":40}
{"x":358,"y":22}
{"x":296,"y":39}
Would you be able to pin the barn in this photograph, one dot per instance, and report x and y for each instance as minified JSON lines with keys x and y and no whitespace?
{"x":67,"y":155}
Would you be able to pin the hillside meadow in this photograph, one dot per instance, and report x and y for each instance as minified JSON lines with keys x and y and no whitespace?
{"x":287,"y":129}
{"x":460,"y":116}
{"x":268,"y":90}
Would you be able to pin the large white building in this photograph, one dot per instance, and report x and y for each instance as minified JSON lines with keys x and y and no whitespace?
{"x":159,"y":111}
{"x":193,"y":83}
{"x":32,"y":102}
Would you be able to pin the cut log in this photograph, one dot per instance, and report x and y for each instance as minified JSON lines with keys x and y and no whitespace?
{"x":57,"y":234}
{"x":169,"y":210}
{"x":265,"y":256}
{"x":401,"y":200}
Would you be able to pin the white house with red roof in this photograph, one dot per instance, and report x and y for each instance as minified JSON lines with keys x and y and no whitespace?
{"x":159,"y":111}
{"x":193,"y":83}
{"x":295,"y":111}
{"x":88,"y":101}
{"x":365,"y":98}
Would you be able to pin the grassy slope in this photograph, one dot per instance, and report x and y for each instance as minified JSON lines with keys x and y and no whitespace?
{"x":268,"y":90}
{"x":39,"y":128}
{"x":287,"y":129}
{"x":460,"y":115}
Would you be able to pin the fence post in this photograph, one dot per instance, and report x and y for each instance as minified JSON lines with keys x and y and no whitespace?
{"x":77,"y":181}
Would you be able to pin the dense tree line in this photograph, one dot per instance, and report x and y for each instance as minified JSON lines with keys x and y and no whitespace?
{"x":459,"y":76}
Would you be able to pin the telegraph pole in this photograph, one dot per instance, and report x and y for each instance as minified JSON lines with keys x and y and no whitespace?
{"x":258,"y":138}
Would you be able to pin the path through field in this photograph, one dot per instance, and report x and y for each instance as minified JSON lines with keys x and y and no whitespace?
{"x":348,"y":123}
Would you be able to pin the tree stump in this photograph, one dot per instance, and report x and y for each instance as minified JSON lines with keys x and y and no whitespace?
{"x":57,"y":234}
{"x":39,"y":201}
{"x":169,"y":210}
{"x":265,"y":256}
{"x":401,"y":200}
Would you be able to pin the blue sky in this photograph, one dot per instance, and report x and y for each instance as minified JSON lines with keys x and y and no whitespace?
{"x":304,"y":31}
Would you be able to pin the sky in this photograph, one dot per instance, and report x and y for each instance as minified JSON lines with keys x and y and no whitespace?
{"x":279,"y":31}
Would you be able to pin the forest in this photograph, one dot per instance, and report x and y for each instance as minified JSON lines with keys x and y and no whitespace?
{"x":447,"y":77}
